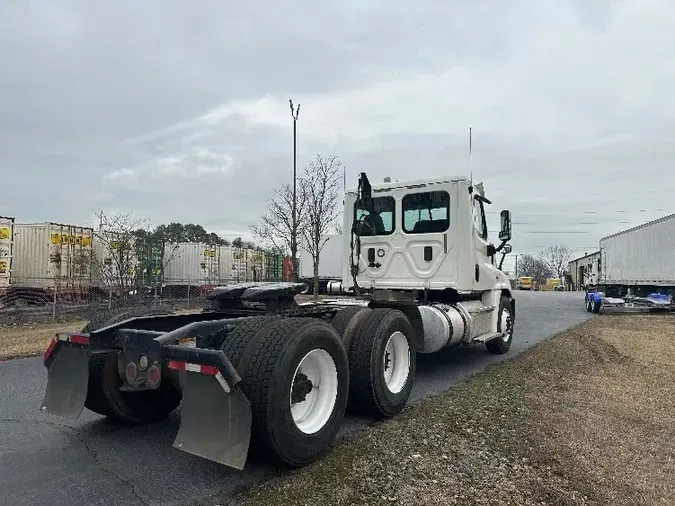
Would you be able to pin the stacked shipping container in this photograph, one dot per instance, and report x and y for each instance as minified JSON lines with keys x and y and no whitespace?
{"x":47,"y":256}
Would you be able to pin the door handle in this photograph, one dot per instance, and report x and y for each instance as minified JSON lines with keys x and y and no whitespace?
{"x":428,"y":254}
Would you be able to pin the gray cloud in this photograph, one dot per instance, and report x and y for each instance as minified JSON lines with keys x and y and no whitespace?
{"x":181,"y":112}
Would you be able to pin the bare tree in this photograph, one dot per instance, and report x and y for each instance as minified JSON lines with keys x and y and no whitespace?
{"x":118,"y":244}
{"x":114,"y":250}
{"x":556,"y":258}
{"x":321,"y":195}
{"x":275,"y":229}
{"x":534,"y":268}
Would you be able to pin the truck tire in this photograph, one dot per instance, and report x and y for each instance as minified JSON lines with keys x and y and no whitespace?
{"x":294,"y":354}
{"x":347,"y":321}
{"x":382,"y":363}
{"x":505,"y":318}
{"x":240,"y":345}
{"x":103,"y":394}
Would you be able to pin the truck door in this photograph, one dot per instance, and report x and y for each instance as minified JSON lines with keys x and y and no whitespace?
{"x":483,"y":271}
{"x":426,"y":220}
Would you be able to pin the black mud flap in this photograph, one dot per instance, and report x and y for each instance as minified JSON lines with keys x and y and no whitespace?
{"x":215,"y":420}
{"x":67,"y":377}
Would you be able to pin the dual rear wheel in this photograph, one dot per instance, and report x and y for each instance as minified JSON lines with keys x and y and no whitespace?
{"x":300,"y":373}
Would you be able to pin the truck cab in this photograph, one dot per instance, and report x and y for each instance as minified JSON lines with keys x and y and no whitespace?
{"x":428,"y":235}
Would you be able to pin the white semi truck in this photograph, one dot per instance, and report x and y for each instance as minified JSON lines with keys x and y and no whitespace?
{"x":257,"y":369}
{"x":636,"y":270}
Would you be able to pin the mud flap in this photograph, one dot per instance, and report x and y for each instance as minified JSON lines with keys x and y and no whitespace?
{"x":215,"y":420}
{"x":67,"y":379}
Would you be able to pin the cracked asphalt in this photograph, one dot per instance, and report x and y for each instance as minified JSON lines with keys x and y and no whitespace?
{"x":46,"y":460}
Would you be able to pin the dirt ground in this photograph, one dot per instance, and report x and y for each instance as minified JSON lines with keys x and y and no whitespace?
{"x":585,"y":418}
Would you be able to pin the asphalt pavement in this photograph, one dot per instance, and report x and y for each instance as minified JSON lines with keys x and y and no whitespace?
{"x":46,"y":460}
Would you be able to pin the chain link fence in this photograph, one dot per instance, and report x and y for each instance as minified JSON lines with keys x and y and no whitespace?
{"x":45,"y":300}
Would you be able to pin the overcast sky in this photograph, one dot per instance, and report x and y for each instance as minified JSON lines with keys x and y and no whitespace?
{"x":179,"y":110}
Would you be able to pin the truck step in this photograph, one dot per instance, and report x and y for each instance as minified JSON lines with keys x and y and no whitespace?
{"x":476,"y":306}
{"x":483,"y":338}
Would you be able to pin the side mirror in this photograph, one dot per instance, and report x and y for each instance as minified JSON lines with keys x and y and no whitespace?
{"x":507,"y":249}
{"x":505,"y":231}
{"x":365,"y":196}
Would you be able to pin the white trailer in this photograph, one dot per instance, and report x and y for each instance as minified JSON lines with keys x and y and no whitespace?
{"x":331,"y":261}
{"x":637,"y":269}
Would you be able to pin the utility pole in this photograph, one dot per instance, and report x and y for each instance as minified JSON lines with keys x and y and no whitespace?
{"x":294,"y":225}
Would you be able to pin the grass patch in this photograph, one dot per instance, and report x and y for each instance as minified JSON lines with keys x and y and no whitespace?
{"x":31,"y":339}
{"x":584,"y":418}
{"x":23,"y":340}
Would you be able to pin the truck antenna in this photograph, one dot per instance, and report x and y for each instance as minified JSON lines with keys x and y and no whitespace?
{"x":470,"y":161}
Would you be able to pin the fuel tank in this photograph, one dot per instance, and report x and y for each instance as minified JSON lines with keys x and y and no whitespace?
{"x":447,"y":325}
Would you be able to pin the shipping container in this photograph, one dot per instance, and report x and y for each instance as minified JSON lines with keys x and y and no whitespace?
{"x":192,"y":263}
{"x":225,"y":262}
{"x":640,"y":256}
{"x":6,"y":243}
{"x":274,"y":266}
{"x":257,"y":265}
{"x":247,"y":265}
{"x":286,"y":269}
{"x":49,"y":255}
{"x":150,"y":260}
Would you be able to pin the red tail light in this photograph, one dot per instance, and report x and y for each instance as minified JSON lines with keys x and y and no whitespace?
{"x":154,"y":375}
{"x":131,"y":371}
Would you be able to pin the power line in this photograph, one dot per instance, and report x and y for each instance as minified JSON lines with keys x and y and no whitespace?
{"x":607,"y":211}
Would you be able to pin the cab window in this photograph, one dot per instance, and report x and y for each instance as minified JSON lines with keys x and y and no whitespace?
{"x":479,"y":222}
{"x":381,"y":222}
{"x":426,"y":213}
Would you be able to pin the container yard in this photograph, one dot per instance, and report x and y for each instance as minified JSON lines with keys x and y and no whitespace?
{"x":42,"y":263}
{"x":6,"y":239}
